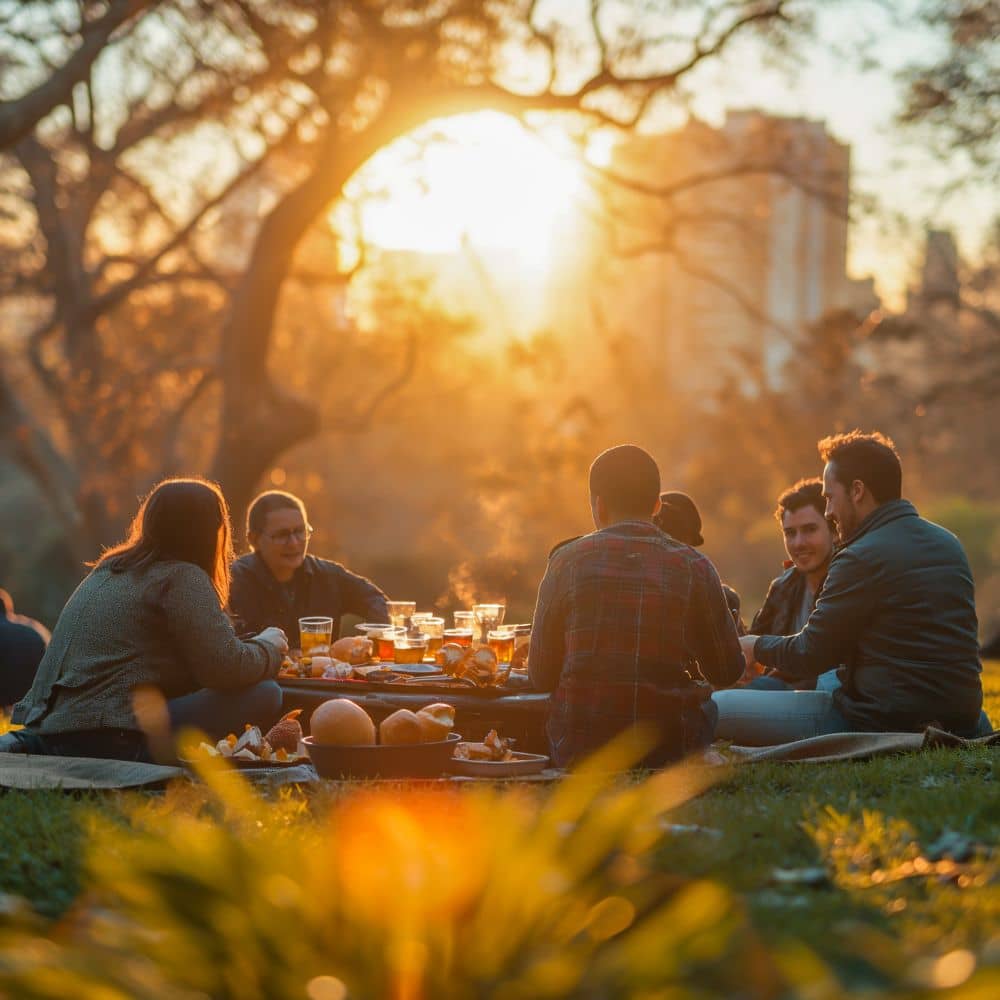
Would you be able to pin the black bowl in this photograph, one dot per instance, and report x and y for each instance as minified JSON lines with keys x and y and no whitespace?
{"x":413,"y":760}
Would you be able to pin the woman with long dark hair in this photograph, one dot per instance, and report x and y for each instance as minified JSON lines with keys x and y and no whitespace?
{"x":150,"y":617}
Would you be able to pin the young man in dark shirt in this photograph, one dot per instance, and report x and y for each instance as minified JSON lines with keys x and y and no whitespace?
{"x":809,"y":542}
{"x":278,"y":583}
{"x":622,"y":616}
{"x":897,"y":609}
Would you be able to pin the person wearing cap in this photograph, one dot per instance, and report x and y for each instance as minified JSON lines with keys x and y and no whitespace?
{"x":630,"y":624}
{"x":679,"y":518}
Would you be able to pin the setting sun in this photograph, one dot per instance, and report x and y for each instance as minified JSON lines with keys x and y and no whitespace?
{"x":479,"y":179}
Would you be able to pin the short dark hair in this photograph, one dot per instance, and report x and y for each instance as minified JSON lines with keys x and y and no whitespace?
{"x":804,"y":493}
{"x":179,"y":519}
{"x":264,"y":503}
{"x":628,"y":480}
{"x":871,"y":458}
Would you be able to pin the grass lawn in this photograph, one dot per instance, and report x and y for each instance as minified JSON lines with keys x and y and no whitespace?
{"x":871,"y":879}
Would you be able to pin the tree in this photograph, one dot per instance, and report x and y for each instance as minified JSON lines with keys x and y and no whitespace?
{"x":954,"y":99}
{"x":153,"y":329}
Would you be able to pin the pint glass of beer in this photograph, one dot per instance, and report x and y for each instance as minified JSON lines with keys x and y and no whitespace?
{"x":315,"y":636}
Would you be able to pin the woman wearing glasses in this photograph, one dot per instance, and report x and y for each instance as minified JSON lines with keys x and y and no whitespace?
{"x":277,"y":583}
{"x":147,"y":626}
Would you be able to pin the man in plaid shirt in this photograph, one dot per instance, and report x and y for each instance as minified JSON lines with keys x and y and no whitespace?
{"x":626,"y":621}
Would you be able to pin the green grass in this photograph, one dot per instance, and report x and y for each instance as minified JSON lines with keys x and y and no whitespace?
{"x":838,"y":872}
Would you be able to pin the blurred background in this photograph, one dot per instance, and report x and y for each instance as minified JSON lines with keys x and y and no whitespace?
{"x":420,"y":262}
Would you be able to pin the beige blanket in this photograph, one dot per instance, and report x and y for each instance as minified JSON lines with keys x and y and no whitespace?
{"x":859,"y":746}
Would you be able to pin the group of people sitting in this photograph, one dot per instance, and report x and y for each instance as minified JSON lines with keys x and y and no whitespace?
{"x":872,"y":627}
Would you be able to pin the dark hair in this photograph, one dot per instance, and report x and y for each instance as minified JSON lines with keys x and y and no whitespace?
{"x":871,"y":458}
{"x":805,"y":493}
{"x":179,"y":519}
{"x":627,"y":479}
{"x":679,"y":518}
{"x":264,"y":503}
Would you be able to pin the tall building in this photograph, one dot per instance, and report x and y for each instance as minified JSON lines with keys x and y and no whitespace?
{"x":723,"y":244}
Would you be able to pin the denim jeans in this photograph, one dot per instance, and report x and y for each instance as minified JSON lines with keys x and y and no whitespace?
{"x":767,"y":718}
{"x":214,"y":713}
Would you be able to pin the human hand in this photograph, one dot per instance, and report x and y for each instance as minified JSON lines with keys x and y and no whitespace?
{"x":753,"y":668}
{"x":274,"y":636}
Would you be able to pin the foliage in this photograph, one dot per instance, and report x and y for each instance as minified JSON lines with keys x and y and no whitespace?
{"x":473,"y":891}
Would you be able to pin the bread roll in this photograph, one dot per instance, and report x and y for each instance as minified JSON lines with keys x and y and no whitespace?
{"x":402,"y":727}
{"x":436,"y":721}
{"x":341,"y":723}
{"x":352,"y":649}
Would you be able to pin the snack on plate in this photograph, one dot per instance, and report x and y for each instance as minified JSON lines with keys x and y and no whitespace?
{"x":286,"y":732}
{"x":493,"y":748}
{"x":476,"y":665}
{"x":314,"y":667}
{"x":252,"y":745}
{"x":436,"y":721}
{"x":353,"y":649}
{"x":402,"y":727}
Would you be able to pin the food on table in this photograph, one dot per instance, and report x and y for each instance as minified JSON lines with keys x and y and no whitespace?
{"x":353,"y":649}
{"x":449,"y":656}
{"x":339,"y":722}
{"x":252,"y":745}
{"x":286,"y":732}
{"x":436,"y":721}
{"x":315,"y":666}
{"x":400,"y":728}
{"x":493,"y":748}
{"x":476,"y":665}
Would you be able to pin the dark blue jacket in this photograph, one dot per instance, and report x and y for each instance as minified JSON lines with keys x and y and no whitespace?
{"x":319,"y":587}
{"x":898,"y":609}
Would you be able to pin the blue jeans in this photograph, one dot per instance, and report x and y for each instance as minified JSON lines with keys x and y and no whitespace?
{"x":214,"y":713}
{"x":217,"y":713}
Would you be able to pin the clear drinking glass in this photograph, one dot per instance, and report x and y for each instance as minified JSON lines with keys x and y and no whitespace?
{"x":501,"y":641}
{"x":410,"y":648}
{"x":486,"y":617}
{"x":433,"y":628}
{"x":315,"y":636}
{"x":400,"y":612}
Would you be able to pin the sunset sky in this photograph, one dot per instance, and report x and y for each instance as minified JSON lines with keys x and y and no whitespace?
{"x":497,"y":186}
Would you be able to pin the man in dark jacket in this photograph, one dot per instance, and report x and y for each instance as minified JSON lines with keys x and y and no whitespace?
{"x":278,"y":583}
{"x":622,"y":613}
{"x":897,"y":609}
{"x":809,"y":539}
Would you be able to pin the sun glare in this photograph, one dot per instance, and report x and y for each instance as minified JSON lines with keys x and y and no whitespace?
{"x":480,"y":179}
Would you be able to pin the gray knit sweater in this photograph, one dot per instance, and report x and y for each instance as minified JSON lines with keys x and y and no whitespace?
{"x":160,"y":626}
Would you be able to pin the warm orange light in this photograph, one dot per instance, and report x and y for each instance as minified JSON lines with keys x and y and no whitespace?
{"x":479,"y":179}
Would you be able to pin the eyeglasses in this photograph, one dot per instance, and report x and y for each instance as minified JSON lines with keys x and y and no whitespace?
{"x":298,"y":534}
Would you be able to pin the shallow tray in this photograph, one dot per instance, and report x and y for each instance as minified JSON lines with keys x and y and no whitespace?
{"x":523,"y":763}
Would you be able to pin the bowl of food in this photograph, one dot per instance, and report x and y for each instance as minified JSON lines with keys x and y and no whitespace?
{"x":344,"y":743}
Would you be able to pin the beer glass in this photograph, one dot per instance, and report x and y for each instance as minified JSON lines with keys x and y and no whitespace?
{"x":486,"y":617}
{"x":433,"y":628}
{"x":410,"y":648}
{"x":460,"y":636}
{"x":400,"y":612}
{"x":315,"y":636}
{"x":501,"y":641}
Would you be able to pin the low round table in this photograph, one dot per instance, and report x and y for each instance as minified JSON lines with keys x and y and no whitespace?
{"x":520,"y":715}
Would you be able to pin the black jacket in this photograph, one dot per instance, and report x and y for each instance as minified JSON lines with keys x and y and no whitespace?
{"x":898,"y":609}
{"x":319,"y":587}
{"x":21,"y":650}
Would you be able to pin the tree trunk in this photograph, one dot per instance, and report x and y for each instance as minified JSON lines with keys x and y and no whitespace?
{"x":260,"y":419}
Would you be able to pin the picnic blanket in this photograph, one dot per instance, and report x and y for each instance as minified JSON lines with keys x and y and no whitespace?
{"x":859,"y":746}
{"x":35,"y":771}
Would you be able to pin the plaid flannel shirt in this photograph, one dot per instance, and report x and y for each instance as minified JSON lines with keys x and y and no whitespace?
{"x":626,"y":619}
